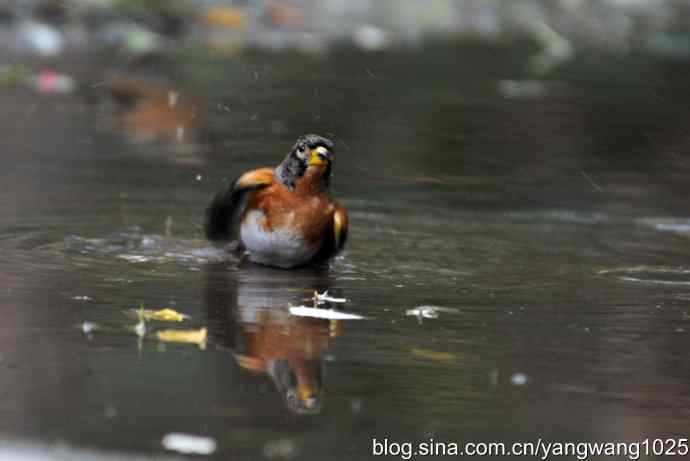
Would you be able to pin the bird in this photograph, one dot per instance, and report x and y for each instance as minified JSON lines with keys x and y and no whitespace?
{"x":285,"y":215}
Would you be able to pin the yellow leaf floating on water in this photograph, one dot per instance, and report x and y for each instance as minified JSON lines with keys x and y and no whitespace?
{"x":165,"y":315}
{"x":433,"y":355}
{"x":184,"y":336}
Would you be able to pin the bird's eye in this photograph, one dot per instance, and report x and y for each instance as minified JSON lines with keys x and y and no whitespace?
{"x":302,"y":153}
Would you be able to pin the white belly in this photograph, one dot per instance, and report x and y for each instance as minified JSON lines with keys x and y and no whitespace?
{"x":280,"y":247}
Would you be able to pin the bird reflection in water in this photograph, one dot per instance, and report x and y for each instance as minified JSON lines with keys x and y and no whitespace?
{"x":250,"y":314}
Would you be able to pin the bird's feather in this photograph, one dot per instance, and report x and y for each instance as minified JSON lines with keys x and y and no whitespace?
{"x":335,"y":236}
{"x":340,"y":226}
{"x":229,"y":205}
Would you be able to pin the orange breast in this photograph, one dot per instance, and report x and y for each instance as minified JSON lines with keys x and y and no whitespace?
{"x":309,"y":215}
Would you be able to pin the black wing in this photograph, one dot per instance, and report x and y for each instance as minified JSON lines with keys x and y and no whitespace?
{"x":225,"y":211}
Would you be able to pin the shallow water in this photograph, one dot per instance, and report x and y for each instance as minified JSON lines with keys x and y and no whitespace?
{"x":552,"y":229}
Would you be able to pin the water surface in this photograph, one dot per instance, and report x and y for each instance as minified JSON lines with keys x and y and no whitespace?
{"x":552,"y":228}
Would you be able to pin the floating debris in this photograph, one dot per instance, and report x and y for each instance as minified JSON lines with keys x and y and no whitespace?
{"x":642,"y":268}
{"x":197,"y":337}
{"x":432,"y":355}
{"x":429,"y":312}
{"x":657,"y":275}
{"x":82,"y":298}
{"x":140,"y":327}
{"x":521,"y":89}
{"x":519,"y":379}
{"x":164,"y":315}
{"x":280,"y":449}
{"x":189,"y":444}
{"x":110,"y":411}
{"x":321,"y":298}
{"x":329,"y":314}
{"x":134,"y":258}
{"x":677,"y":225}
{"x":423,"y":312}
{"x":89,"y":327}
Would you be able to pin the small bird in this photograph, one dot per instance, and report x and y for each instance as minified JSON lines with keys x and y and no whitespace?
{"x":286,"y":215}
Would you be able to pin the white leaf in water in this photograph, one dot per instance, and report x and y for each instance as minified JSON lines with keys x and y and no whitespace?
{"x":422,"y":313}
{"x":134,"y":258}
{"x":429,"y":312}
{"x":140,"y":329}
{"x":519,"y":379}
{"x":330,"y":314}
{"x":88,"y":327}
{"x":189,"y":444}
{"x":324,"y":297}
{"x":450,"y":310}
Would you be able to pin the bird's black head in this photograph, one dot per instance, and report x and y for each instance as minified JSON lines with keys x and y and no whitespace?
{"x":310,"y":151}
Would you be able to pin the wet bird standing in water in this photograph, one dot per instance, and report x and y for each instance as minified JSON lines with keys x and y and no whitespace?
{"x":286,"y":215}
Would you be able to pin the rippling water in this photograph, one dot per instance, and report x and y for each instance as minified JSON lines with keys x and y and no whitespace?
{"x":551,"y":231}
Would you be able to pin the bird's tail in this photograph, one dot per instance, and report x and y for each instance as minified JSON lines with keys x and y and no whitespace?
{"x":222,"y":214}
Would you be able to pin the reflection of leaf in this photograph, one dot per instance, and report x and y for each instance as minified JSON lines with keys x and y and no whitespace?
{"x":165,"y":315}
{"x":184,"y":336}
{"x":432,"y":355}
{"x":331,"y":314}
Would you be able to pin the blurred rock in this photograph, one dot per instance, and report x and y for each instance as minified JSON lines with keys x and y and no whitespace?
{"x":51,"y":82}
{"x":285,"y":14}
{"x":151,"y":110}
{"x":131,"y":39}
{"x":47,"y":27}
{"x":372,"y":38}
{"x":223,"y":28}
{"x":13,"y":75}
{"x":39,"y":38}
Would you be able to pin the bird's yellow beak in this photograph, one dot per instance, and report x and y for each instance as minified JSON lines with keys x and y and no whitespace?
{"x":319,"y":156}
